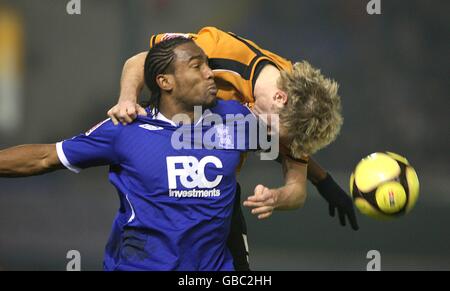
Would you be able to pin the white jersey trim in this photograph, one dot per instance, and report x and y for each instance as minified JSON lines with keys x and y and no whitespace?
{"x":133,"y":215}
{"x":63,"y":159}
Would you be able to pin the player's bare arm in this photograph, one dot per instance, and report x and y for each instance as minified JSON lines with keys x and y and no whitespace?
{"x":29,"y":160}
{"x":291,"y":196}
{"x":131,"y":84}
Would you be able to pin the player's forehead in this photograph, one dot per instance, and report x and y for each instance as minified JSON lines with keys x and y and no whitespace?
{"x":188,"y":51}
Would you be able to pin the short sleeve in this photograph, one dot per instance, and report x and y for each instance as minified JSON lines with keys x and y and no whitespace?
{"x":94,"y":148}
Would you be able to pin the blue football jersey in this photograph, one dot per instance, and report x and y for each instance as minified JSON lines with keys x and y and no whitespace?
{"x":175,"y":203}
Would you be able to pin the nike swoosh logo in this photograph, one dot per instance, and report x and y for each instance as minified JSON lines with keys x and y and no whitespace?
{"x":150,"y":127}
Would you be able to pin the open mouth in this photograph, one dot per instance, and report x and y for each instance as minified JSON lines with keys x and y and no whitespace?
{"x":212,"y":90}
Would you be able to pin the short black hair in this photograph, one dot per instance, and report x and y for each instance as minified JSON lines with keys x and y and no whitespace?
{"x":159,"y":60}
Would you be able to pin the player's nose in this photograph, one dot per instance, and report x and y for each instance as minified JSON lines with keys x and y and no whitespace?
{"x":208,"y":73}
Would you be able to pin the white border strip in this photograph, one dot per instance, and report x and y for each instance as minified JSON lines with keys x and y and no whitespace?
{"x":133,"y":215}
{"x":244,"y":236}
{"x":62,"y":157}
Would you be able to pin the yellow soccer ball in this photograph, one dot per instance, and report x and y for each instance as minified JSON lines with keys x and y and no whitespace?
{"x":384,"y":185}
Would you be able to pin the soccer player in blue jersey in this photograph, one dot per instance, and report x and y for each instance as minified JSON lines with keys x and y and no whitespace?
{"x":175,"y":203}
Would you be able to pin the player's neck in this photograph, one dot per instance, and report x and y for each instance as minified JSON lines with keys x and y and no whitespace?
{"x":176,"y":112}
{"x":266,"y":86}
{"x":267,"y":79}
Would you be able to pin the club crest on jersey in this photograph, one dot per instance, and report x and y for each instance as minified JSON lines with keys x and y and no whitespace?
{"x":225,"y":138}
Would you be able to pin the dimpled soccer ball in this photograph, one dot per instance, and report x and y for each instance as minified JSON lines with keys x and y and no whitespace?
{"x":384,"y":185}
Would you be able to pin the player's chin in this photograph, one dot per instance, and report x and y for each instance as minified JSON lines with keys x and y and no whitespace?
{"x":210,"y":100}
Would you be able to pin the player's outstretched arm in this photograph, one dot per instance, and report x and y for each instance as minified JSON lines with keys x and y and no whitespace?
{"x":131,"y":84}
{"x":291,"y":196}
{"x":29,"y":160}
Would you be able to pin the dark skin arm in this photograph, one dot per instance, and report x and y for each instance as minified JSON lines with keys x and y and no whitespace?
{"x":29,"y":160}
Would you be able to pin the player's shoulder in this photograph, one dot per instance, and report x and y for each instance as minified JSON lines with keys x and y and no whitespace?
{"x":211,"y":29}
{"x":210,"y":32}
{"x":153,"y":122}
{"x":107,"y":128}
{"x":103,"y":126}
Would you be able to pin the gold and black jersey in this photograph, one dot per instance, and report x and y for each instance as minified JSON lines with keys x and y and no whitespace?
{"x":235,"y":61}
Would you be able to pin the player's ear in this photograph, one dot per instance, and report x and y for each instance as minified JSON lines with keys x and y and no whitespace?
{"x":164,"y":82}
{"x":280,"y":97}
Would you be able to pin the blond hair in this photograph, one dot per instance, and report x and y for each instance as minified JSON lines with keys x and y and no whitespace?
{"x":312,"y":116}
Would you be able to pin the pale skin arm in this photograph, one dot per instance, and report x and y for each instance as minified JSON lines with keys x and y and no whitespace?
{"x":131,"y":84}
{"x":29,"y":160}
{"x":291,"y":196}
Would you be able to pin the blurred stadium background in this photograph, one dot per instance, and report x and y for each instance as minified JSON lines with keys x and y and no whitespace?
{"x":60,"y":73}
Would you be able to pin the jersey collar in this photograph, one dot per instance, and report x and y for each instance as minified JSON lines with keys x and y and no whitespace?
{"x":161,"y":117}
